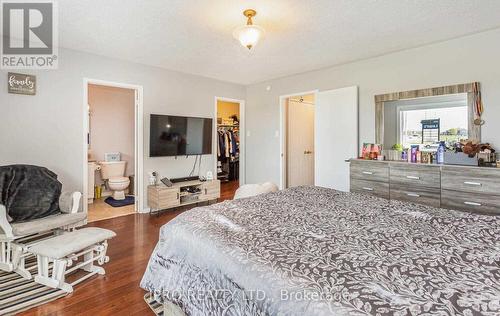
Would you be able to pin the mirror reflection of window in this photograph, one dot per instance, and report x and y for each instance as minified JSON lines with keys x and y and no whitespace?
{"x":427,"y":121}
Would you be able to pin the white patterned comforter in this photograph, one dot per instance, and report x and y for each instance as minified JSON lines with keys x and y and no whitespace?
{"x":316,"y":251}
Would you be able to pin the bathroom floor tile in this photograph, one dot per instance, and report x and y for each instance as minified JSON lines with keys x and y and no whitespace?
{"x":100,"y":210}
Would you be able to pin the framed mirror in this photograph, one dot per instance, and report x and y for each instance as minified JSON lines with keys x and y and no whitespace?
{"x":428,"y":116}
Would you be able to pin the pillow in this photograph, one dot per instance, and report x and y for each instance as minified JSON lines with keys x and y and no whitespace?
{"x":249,"y":190}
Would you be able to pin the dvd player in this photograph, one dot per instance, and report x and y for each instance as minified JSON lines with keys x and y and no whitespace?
{"x":185,"y":179}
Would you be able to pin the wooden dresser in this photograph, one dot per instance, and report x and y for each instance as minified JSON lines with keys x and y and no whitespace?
{"x":472,"y":189}
{"x":161,"y":197}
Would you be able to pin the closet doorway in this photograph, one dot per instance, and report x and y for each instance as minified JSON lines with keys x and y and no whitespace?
{"x":229,"y":144}
{"x":299,"y":140}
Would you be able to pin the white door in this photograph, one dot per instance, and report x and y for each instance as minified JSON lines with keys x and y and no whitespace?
{"x":300,"y":144}
{"x":336,"y":131}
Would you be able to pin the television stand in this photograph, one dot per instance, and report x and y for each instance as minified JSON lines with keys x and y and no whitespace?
{"x":161,"y":197}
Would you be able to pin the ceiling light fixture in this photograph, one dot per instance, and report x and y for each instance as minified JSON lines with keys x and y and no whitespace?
{"x":250,"y":34}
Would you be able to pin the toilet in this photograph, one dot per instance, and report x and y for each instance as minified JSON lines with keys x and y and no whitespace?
{"x":113,"y":173}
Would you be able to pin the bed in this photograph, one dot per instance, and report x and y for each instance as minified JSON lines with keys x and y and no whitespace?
{"x":317,"y":251}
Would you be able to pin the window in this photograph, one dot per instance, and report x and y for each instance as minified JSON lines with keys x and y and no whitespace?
{"x":427,"y":121}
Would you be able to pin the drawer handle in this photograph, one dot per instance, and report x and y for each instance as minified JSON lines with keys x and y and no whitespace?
{"x":473,"y":183}
{"x":367,"y":172}
{"x":413,"y":177}
{"x":367,"y":189}
{"x":473,"y":203}
{"x":413,"y":194}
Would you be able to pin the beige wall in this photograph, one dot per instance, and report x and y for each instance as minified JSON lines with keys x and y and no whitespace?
{"x":112,"y":123}
{"x":226,"y":109}
{"x":467,"y":59}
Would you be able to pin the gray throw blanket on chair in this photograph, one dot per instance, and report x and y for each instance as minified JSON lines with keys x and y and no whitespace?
{"x":29,"y":192}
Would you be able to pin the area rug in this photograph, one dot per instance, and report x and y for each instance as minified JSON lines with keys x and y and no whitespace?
{"x":129,"y":200}
{"x":18,"y":294}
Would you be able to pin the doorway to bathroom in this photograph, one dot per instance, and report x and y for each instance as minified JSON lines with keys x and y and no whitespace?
{"x":229,"y":143}
{"x":113,"y":142}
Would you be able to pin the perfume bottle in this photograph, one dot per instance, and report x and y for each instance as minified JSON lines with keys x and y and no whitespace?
{"x":440,"y":153}
{"x":413,"y":153}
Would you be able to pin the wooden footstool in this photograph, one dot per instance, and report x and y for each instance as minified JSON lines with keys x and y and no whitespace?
{"x":89,"y":243}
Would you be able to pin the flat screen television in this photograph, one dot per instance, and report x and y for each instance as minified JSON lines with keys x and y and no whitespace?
{"x":179,"y":136}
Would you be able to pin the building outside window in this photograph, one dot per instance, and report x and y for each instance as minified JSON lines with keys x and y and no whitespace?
{"x":450,"y":124}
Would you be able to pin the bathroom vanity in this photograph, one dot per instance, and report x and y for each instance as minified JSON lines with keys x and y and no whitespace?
{"x":474,"y":189}
{"x":161,"y":197}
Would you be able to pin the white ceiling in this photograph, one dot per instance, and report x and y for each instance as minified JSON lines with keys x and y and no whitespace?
{"x":196,"y":36}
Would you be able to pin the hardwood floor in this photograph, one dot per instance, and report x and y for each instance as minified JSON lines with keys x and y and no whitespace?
{"x":227,"y":189}
{"x":118,"y":292}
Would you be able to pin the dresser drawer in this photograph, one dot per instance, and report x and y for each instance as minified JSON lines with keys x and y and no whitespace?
{"x":473,"y":202}
{"x":380,"y":189}
{"x":481,"y":180}
{"x":416,"y":194}
{"x":370,"y":170}
{"x":414,"y":174}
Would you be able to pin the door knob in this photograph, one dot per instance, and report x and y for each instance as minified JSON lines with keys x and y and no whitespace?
{"x":306,"y":152}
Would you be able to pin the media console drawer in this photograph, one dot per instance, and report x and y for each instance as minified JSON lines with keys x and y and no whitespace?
{"x":211,"y":190}
{"x":161,"y":197}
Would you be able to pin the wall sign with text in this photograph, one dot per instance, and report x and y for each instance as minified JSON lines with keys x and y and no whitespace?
{"x":21,"y":83}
